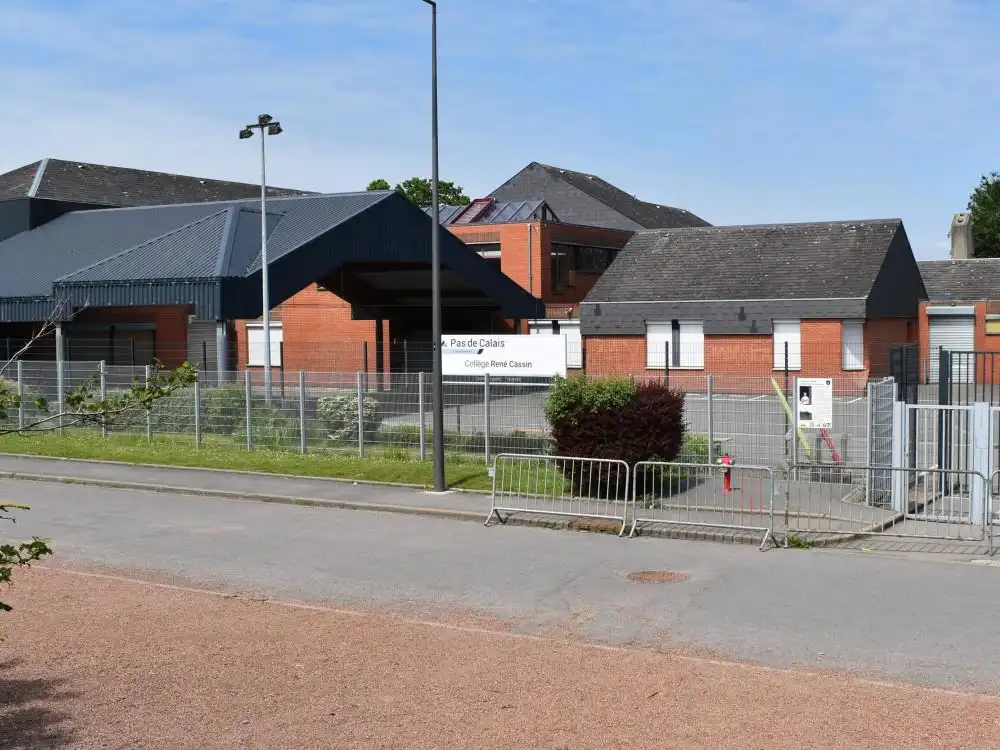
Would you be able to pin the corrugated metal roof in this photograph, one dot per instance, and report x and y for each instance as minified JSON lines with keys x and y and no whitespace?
{"x":499,"y":212}
{"x":205,"y":254}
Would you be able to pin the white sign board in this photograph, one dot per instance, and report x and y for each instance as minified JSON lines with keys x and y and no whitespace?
{"x":814,"y":403}
{"x":512,"y":356}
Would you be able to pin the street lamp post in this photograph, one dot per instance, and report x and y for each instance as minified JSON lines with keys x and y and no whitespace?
{"x":266,"y":125}
{"x":437,"y":385}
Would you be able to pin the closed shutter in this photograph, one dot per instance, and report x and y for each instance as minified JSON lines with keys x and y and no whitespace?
{"x":692,"y":344}
{"x":658,"y":335}
{"x":568,"y":328}
{"x":201,"y":345}
{"x":255,"y":344}
{"x":953,"y":334}
{"x":787,"y":331}
{"x":853,"y":343}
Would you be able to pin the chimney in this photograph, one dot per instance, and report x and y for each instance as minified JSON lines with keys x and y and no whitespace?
{"x":961,"y":237}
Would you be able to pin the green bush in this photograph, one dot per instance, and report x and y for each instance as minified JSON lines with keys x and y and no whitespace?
{"x":694,"y":449}
{"x":272,"y":428}
{"x":570,"y":398}
{"x":339,"y":414}
{"x":223,"y":409}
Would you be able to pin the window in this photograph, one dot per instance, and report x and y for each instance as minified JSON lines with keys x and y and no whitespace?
{"x":852,"y":335}
{"x":577,"y":258}
{"x":255,"y":344}
{"x":787,"y":332}
{"x":686,"y":341}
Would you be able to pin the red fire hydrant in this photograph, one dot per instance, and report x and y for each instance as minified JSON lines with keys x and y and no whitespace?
{"x":727,"y":480}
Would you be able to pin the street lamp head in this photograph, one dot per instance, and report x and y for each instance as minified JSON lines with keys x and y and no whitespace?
{"x":264,"y":119}
{"x":274,"y":129}
{"x":246,"y":133}
{"x":431,"y":3}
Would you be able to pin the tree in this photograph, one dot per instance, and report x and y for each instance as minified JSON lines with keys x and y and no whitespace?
{"x":984,"y":205}
{"x":418,"y":191}
{"x":82,"y":406}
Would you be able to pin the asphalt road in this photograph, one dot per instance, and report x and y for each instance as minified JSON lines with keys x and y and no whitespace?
{"x":910,"y":619}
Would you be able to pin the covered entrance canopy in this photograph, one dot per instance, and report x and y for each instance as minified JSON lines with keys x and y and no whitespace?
{"x":372,"y":249}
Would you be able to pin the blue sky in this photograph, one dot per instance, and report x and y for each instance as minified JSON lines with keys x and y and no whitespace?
{"x":743,"y":111}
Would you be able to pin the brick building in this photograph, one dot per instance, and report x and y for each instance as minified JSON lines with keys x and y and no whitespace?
{"x":731,"y":301}
{"x":962,"y":312}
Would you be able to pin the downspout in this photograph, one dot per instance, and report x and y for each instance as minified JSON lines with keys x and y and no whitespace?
{"x":531,"y":286}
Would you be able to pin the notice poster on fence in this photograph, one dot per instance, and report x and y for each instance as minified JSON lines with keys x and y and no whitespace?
{"x":814,"y":403}
{"x":512,"y":356}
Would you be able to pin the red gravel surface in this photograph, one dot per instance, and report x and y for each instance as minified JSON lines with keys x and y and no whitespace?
{"x":94,"y":661}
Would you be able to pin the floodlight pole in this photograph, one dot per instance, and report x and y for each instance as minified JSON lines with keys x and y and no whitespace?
{"x":437,"y":385}
{"x":265,"y":286}
{"x":267,"y":126}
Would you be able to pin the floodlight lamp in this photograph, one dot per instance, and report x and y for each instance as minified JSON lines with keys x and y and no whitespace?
{"x":246,"y":133}
{"x":264,"y":119}
{"x":274,"y":128}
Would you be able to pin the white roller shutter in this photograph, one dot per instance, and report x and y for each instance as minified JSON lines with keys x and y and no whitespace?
{"x":255,"y":344}
{"x":692,"y":344}
{"x":953,"y":333}
{"x":853,"y":343}
{"x":568,"y":328}
{"x":658,"y":335}
{"x":201,"y":345}
{"x":788,"y":331}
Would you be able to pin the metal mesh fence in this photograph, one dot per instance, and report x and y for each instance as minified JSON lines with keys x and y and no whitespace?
{"x":749,"y":418}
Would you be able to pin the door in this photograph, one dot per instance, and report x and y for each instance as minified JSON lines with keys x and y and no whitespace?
{"x":201,"y":345}
{"x":954,"y":334}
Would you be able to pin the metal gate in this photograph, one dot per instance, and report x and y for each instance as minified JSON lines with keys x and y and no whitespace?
{"x":881,"y":397}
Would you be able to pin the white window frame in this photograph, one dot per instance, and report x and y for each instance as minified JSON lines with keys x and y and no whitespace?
{"x":255,"y":353}
{"x":687,"y":357}
{"x":852,"y":361}
{"x":794,"y":340}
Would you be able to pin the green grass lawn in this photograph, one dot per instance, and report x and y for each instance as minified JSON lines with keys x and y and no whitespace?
{"x":180,"y":450}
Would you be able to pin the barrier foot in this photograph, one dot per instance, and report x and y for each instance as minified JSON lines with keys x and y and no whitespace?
{"x":764,"y":541}
{"x":631,"y":533}
{"x":489,"y":518}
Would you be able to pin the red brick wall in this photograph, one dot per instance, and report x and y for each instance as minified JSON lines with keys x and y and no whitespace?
{"x":319,"y":334}
{"x":746,"y":363}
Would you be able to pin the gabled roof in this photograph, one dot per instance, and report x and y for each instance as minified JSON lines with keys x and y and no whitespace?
{"x":967,"y":280}
{"x":103,"y":185}
{"x":572,"y":195}
{"x":209,"y":254}
{"x":495,"y":212}
{"x":830,"y":260}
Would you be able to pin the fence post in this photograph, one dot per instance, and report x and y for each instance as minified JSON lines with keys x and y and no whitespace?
{"x":666,"y":363}
{"x":20,"y":395}
{"x":303,"y":442}
{"x":422,"y":422}
{"x":711,"y":424}
{"x":786,"y":396}
{"x":104,"y":395}
{"x":60,"y":390}
{"x":361,"y":416}
{"x":793,"y":433}
{"x":486,"y":416}
{"x":149,"y":409}
{"x":248,"y":397}
{"x":197,"y":410}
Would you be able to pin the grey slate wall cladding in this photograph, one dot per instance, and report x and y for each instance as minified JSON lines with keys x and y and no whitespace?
{"x":771,"y":272}
{"x":15,"y":217}
{"x":720,"y":318}
{"x":972,"y":280}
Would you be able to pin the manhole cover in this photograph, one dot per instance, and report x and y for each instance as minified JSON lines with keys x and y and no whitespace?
{"x":657,"y":576}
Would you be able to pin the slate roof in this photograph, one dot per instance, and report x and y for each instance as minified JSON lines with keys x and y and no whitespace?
{"x":827,"y":260}
{"x":540,"y":181}
{"x":179,"y":254}
{"x":968,"y":280}
{"x":103,"y":185}
{"x":499,"y":212}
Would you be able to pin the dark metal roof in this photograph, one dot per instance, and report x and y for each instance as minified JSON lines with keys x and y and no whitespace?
{"x":832,"y":260}
{"x":208,"y":255}
{"x":104,"y":185}
{"x":580,"y":198}
{"x":500,"y":212}
{"x":968,"y":280}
